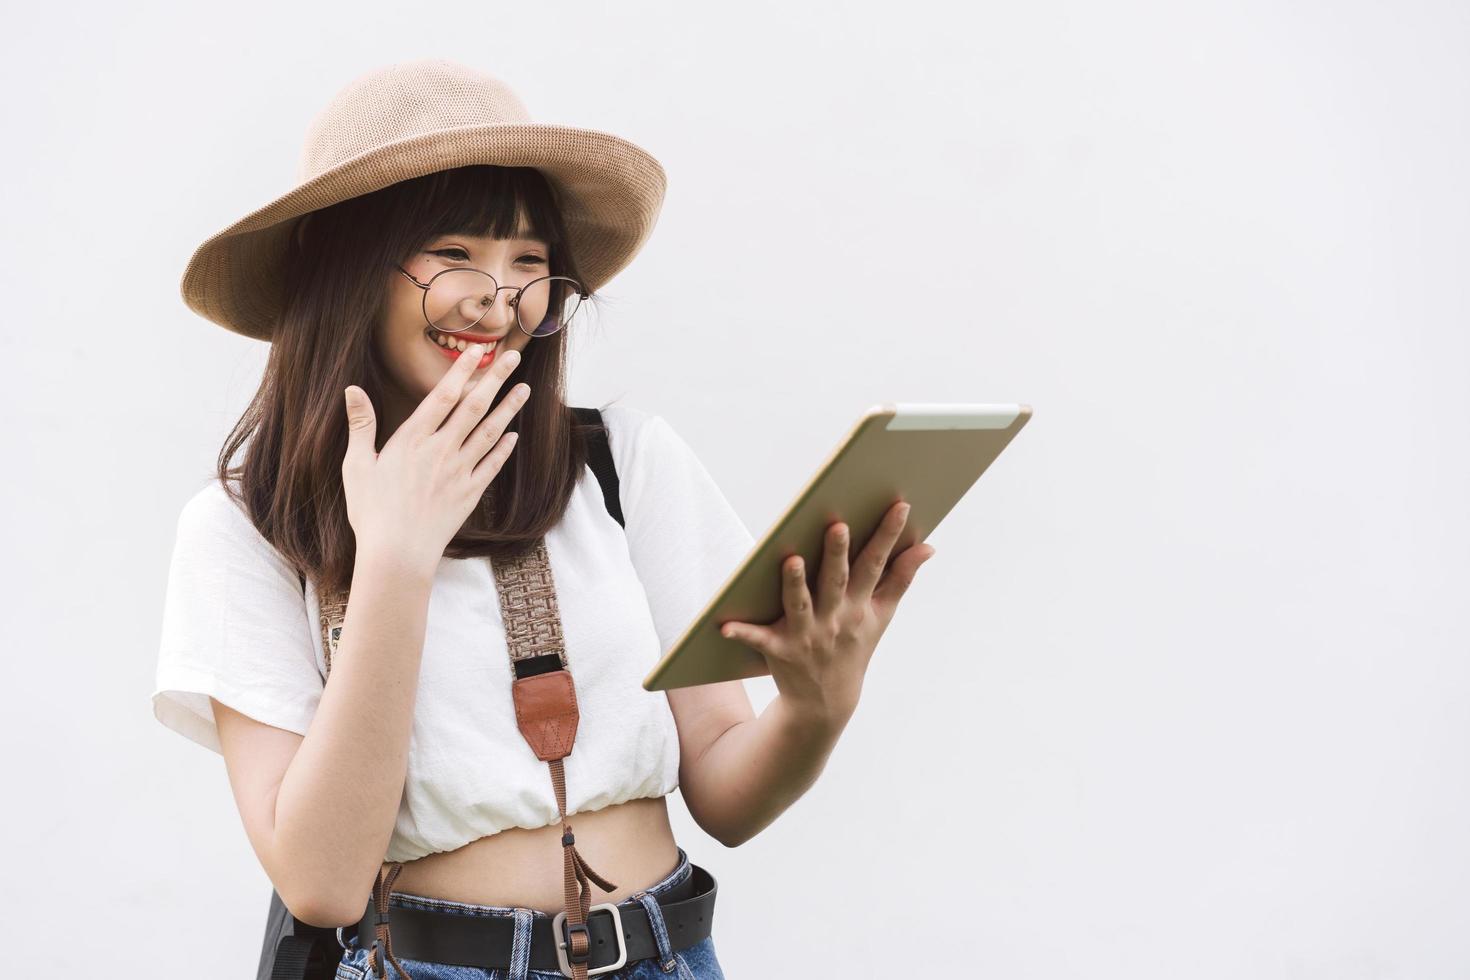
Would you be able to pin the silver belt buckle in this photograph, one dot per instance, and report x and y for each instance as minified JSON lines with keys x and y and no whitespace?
{"x":563,"y":941}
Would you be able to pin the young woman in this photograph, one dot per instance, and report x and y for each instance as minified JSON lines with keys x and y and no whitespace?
{"x":332,"y":625}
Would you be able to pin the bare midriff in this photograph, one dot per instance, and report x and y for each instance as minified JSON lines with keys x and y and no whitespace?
{"x":630,"y":844}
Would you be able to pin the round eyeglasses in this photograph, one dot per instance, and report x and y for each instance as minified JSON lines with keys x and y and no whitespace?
{"x":457,"y":299}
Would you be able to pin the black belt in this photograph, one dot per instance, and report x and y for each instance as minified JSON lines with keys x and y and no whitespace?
{"x":618,"y":934}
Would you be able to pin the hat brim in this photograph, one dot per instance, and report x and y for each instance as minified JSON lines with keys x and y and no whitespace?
{"x":611,"y":192}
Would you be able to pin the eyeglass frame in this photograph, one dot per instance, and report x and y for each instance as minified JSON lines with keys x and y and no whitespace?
{"x":513,"y":302}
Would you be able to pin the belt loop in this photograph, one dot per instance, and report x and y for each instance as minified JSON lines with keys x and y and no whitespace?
{"x":666,"y":961}
{"x":520,"y":946}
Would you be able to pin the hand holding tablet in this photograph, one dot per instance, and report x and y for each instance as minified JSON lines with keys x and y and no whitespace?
{"x":821,"y":631}
{"x":818,"y":651}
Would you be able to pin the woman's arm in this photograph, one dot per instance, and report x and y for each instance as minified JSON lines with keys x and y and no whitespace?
{"x":818,"y":652}
{"x":757,"y":769}
{"x":319,"y":809}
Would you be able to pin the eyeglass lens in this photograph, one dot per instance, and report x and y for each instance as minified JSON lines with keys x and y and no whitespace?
{"x":461,"y":298}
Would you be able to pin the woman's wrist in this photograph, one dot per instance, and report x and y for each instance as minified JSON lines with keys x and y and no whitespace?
{"x":396,"y":563}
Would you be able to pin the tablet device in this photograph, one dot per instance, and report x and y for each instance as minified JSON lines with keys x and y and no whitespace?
{"x":926,"y":454}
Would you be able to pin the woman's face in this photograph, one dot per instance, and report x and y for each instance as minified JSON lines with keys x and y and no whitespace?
{"x":417,"y":356}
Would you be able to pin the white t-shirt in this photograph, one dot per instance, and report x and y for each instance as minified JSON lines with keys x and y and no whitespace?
{"x":236,"y":626}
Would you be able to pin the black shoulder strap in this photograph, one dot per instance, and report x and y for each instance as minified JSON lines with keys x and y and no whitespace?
{"x":294,"y":950}
{"x":599,"y":457}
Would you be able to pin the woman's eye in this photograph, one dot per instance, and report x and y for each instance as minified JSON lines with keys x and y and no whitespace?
{"x":460,"y":255}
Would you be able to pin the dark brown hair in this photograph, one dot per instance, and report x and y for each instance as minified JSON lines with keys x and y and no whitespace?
{"x":336,"y":275}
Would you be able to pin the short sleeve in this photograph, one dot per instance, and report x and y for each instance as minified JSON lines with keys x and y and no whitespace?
{"x":684,"y":538}
{"x":235,"y":627}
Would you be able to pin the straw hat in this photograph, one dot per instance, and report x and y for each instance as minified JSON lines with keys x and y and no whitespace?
{"x":412,"y":119}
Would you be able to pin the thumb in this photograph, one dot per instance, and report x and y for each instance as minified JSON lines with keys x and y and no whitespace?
{"x":362,"y":424}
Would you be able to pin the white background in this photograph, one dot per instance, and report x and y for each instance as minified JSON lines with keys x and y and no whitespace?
{"x":1184,"y":691}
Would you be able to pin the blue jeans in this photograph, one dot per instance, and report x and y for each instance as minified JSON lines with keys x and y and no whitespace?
{"x":696,"y":962}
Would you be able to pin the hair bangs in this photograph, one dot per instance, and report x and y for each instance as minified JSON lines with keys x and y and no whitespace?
{"x":490,"y":202}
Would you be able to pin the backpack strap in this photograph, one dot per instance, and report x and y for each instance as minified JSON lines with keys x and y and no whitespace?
{"x":599,"y":457}
{"x":294,"y":950}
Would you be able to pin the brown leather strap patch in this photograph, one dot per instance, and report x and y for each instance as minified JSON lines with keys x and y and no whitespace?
{"x":546,"y":712}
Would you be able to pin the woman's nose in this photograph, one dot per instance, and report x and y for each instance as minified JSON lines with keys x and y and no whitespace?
{"x":491,"y":312}
{"x":502,"y":315}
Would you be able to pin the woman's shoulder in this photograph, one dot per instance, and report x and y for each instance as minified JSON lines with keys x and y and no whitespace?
{"x":213,"y":505}
{"x":626,"y":427}
{"x":645,"y":443}
{"x":624,"y":418}
{"x":215,"y":518}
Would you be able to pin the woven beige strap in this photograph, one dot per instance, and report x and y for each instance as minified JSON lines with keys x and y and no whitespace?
{"x":333,"y":612}
{"x":528,"y":605}
{"x":532,"y":628}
